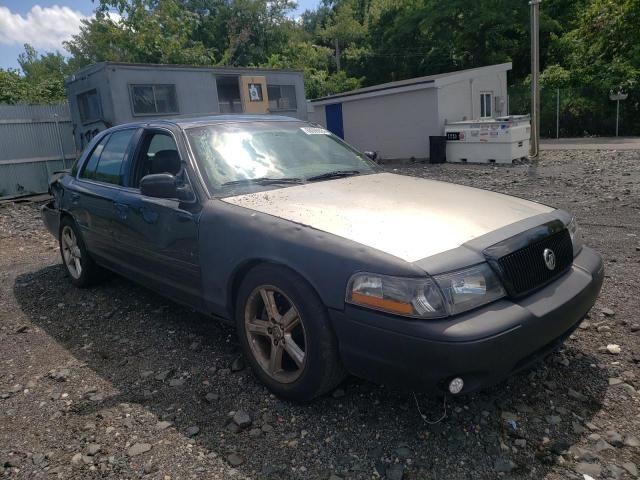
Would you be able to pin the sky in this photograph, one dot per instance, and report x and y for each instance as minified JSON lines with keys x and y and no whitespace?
{"x":45,"y":24}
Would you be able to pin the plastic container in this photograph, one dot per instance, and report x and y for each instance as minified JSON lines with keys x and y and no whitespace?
{"x":496,"y":140}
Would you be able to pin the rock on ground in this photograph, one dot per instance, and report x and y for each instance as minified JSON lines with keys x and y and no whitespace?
{"x":82,"y":367}
{"x":138,"y":449}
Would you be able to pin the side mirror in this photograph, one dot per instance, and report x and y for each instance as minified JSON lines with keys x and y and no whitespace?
{"x":159,"y":185}
{"x":372,"y":155}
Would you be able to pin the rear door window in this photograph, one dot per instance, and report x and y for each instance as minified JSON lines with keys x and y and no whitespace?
{"x":90,"y":165}
{"x":109,"y":168}
{"x":107,"y":159}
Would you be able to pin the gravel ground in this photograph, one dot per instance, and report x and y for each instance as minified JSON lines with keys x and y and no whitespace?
{"x":117,"y":382}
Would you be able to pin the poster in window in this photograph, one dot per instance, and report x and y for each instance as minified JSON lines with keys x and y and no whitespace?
{"x":255,"y":92}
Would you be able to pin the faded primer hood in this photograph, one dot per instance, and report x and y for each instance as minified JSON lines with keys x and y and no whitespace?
{"x":408,"y":217}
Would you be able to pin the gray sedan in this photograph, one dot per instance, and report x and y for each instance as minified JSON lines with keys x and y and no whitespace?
{"x":325,"y":263}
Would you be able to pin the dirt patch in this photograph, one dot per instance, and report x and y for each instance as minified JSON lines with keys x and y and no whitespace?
{"x":117,"y":382}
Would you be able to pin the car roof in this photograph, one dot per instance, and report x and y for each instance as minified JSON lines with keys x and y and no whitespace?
{"x":198,"y":121}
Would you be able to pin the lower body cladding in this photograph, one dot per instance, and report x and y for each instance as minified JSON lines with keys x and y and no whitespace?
{"x":482,"y":347}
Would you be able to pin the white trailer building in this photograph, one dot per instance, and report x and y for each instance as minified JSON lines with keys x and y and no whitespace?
{"x":396,"y":119}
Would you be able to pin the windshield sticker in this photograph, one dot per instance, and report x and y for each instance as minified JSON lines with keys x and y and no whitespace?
{"x":315,"y":131}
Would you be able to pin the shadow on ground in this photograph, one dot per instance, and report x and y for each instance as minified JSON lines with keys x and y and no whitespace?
{"x":132,"y":337}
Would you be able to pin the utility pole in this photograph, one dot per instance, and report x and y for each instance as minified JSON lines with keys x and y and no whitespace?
{"x":535,"y":74}
{"x":337,"y":43}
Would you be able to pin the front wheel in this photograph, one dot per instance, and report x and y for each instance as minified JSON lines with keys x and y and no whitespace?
{"x":80,"y":266}
{"x":285,"y":333}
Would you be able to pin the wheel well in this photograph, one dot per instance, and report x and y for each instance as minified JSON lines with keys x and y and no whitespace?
{"x":239,"y":275}
{"x":64,"y":215}
{"x":234,"y":285}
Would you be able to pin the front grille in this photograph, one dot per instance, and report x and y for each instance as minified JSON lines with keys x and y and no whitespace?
{"x":524,"y":270}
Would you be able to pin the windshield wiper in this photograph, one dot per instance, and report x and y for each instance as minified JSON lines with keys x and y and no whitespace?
{"x":334,"y":174}
{"x":263,"y":181}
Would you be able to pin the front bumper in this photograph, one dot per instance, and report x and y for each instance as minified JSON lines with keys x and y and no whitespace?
{"x":482,"y":346}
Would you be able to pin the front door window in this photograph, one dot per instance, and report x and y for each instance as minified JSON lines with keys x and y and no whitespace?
{"x":158,"y":154}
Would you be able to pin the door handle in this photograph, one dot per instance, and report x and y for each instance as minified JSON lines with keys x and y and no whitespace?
{"x":75,"y":197}
{"x":122,"y":209}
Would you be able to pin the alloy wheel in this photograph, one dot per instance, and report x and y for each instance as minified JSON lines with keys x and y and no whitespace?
{"x":275,"y":333}
{"x":71,"y":253}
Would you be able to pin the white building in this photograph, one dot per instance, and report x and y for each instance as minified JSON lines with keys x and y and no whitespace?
{"x":396,"y":119}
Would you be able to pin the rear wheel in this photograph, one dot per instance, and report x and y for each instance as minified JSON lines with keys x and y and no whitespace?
{"x":81,"y":268}
{"x":285,"y":333}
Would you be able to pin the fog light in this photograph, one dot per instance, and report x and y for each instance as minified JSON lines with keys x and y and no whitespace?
{"x":456,"y":385}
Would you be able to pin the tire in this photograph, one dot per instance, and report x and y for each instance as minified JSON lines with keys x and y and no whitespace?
{"x":81,"y":268}
{"x":300,"y":377}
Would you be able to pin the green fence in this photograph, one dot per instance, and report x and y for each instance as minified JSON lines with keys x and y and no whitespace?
{"x":578,"y":112}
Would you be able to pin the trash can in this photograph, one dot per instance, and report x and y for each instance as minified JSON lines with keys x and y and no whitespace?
{"x":437,"y":149}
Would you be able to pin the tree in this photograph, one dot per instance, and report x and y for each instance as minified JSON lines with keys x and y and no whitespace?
{"x":151,"y":31}
{"x":12,"y":87}
{"x":342,"y":29}
{"x":590,"y":47}
{"x":315,"y":62}
{"x":257,"y":29}
{"x":605,"y":45}
{"x":599,"y":55}
{"x":100,"y":39}
{"x":198,"y":32}
{"x":37,"y":67}
{"x":40,"y":81}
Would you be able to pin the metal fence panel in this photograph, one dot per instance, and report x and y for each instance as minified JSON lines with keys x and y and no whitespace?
{"x":26,"y":178}
{"x":35,"y":141}
{"x":33,"y":111}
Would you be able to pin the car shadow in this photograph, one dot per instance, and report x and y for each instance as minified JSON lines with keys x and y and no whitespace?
{"x":167,"y":358}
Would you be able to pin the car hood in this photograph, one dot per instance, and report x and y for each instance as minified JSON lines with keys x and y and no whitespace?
{"x":408,"y":217}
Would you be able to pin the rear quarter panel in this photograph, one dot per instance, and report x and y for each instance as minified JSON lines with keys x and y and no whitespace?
{"x":51,"y":217}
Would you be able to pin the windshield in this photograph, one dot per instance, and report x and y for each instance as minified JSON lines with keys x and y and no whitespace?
{"x":253,"y":156}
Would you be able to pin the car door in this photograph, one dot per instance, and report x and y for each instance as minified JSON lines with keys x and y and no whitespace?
{"x":93,"y":193}
{"x":160,"y":235}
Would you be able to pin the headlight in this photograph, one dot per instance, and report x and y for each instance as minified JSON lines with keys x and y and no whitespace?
{"x":470,"y":288}
{"x":576,"y":238}
{"x":411,"y":297}
{"x":443,"y":295}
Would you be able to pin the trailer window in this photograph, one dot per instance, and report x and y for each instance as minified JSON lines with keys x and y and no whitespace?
{"x":89,"y":106}
{"x":153,"y":99}
{"x":282,"y":97}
